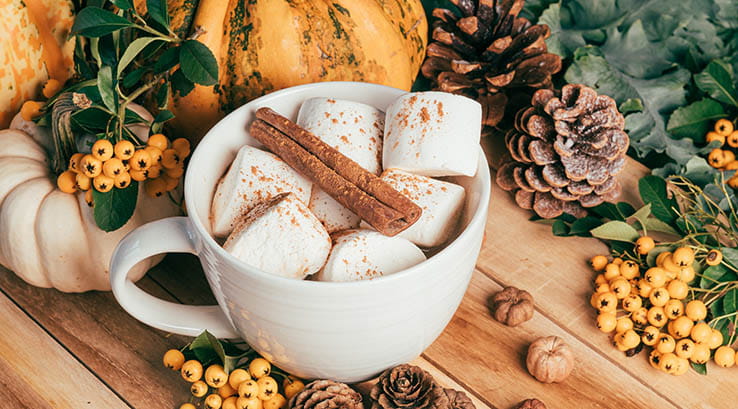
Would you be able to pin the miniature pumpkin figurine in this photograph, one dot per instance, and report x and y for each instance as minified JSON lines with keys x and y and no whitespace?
{"x":513,"y":306}
{"x":550,"y":360}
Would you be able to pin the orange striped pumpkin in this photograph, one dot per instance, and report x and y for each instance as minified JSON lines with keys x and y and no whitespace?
{"x":266,"y":45}
{"x":34,"y":47}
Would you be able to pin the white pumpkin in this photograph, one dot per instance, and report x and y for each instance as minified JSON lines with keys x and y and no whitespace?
{"x":49,"y":238}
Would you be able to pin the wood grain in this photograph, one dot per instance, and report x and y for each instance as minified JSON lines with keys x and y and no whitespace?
{"x":123,"y":352}
{"x":555,"y":271}
{"x":36,"y":372}
{"x":489,"y":358}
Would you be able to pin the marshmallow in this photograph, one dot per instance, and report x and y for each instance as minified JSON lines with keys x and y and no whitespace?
{"x":433,"y":134}
{"x":442,"y":204}
{"x":281,"y":236}
{"x":254,"y":176}
{"x":355,"y":130}
{"x":366,"y":254}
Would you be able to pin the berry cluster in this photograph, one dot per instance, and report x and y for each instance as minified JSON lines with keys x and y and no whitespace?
{"x":720,"y":158}
{"x":249,"y":387}
{"x":159,"y":163}
{"x":651,"y":308}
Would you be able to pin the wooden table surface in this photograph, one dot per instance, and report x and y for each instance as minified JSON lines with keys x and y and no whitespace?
{"x":83,"y":351}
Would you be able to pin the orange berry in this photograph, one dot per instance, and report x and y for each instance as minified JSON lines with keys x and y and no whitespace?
{"x":732,"y":139}
{"x":123,"y":180}
{"x":644,"y":245}
{"x":141,"y":160}
{"x":176,"y":172}
{"x":103,"y":183}
{"x":153,"y":172}
{"x":714,"y":136}
{"x":182,"y":146}
{"x":113,"y":167}
{"x":158,"y":141}
{"x":155,"y":187}
{"x":91,"y":166}
{"x":155,"y":154}
{"x":66,"y":182}
{"x":598,"y":263}
{"x":74,"y":162}
{"x":102,"y":149}
{"x":714,"y":257}
{"x":717,"y":158}
{"x":171,"y":183}
{"x":723,"y":127}
{"x":82,"y":181}
{"x":51,"y":88}
{"x":170,"y":159}
{"x":30,"y":110}
{"x":89,"y":199}
{"x":138,"y":175}
{"x":124,"y":150}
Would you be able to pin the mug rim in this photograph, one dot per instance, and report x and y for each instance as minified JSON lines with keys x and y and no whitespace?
{"x":206,"y":239}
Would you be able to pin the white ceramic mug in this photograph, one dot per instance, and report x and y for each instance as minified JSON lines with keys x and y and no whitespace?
{"x":344,"y":331}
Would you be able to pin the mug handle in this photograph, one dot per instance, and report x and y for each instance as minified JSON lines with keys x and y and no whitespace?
{"x":170,"y":235}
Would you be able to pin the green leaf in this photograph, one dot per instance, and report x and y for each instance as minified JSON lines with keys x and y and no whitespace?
{"x":583,"y":226}
{"x":133,"y":77}
{"x":699,"y":368}
{"x":653,"y":190}
{"x":133,"y":50}
{"x":90,"y":119}
{"x":631,"y":105}
{"x":96,"y":22}
{"x":642,"y":214}
{"x":168,"y":59}
{"x":158,"y":11}
{"x":162,"y":95}
{"x":198,"y":63}
{"x":180,"y":83}
{"x":106,"y":87}
{"x":652,"y":224}
{"x":730,"y":301}
{"x":711,"y":276}
{"x":717,"y":81}
{"x":616,"y":230}
{"x":122,"y":4}
{"x":113,"y":208}
{"x":694,"y":120}
{"x":611,"y":211}
{"x":203,"y":348}
{"x":559,"y":228}
{"x":163,"y":116}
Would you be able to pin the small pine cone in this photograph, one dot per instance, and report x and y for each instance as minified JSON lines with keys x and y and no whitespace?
{"x":325,"y":394}
{"x":489,"y":54}
{"x":458,"y":399}
{"x":565,"y":152}
{"x":407,"y":386}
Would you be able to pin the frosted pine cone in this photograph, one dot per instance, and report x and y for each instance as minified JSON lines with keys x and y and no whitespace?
{"x":565,"y":152}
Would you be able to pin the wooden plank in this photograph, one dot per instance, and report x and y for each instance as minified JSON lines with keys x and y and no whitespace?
{"x":36,"y":372}
{"x":440,"y":377}
{"x":525,"y":254}
{"x":489,"y":357}
{"x":182,"y":273}
{"x":123,"y":352}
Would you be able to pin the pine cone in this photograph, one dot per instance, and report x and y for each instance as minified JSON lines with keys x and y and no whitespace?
{"x":565,"y":152}
{"x":407,"y":386}
{"x":325,"y":394}
{"x":458,"y":399}
{"x":489,"y":54}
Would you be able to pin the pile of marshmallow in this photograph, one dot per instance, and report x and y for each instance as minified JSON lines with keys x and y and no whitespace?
{"x":273,"y":218}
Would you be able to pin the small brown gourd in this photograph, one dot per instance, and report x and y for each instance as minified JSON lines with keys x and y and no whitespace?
{"x":513,"y":306}
{"x":550,"y":359}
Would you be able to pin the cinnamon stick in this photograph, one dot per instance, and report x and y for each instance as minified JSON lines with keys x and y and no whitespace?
{"x":343,"y":180}
{"x":346,"y":167}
